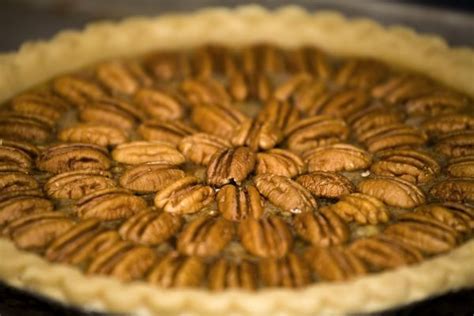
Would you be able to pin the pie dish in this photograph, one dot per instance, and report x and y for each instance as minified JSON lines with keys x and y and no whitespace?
{"x":237,"y":161}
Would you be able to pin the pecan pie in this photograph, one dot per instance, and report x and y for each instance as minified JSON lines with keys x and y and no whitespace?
{"x":214,"y":162}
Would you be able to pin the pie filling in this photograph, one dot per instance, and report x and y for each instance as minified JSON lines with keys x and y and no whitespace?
{"x":249,"y":167}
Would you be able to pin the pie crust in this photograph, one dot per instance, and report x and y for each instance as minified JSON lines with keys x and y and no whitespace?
{"x":289,"y":26}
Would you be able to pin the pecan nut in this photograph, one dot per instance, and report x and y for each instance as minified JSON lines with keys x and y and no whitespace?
{"x":393,"y":191}
{"x":139,"y":152}
{"x":226,"y":274}
{"x":362,"y":208}
{"x":256,"y":135}
{"x":150,"y":177}
{"x":461,"y":167}
{"x":456,"y":144}
{"x":112,"y":112}
{"x":166,"y":131}
{"x":230,"y":165}
{"x":109,"y":204}
{"x":440,"y":125}
{"x":285,"y":193}
{"x":454,"y":190}
{"x":185,"y":196}
{"x":100,"y":135}
{"x":326,"y":184}
{"x":159,"y":104}
{"x":324,"y":228}
{"x":17,"y":181}
{"x":238,"y":203}
{"x":217,"y":120}
{"x":205,"y":236}
{"x":290,"y":271}
{"x":279,"y":162}
{"x":22,"y":205}
{"x":76,"y":90}
{"x":337,"y":157}
{"x":458,"y":216}
{"x":150,"y":227}
{"x":77,"y":184}
{"x":266,"y":237}
{"x":200,"y":147}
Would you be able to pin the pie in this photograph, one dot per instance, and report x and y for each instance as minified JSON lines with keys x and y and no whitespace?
{"x":240,"y":161}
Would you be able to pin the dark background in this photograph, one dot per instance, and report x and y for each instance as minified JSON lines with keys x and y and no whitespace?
{"x":22,"y":20}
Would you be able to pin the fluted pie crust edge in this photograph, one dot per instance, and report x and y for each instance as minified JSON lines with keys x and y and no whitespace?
{"x":290,"y":26}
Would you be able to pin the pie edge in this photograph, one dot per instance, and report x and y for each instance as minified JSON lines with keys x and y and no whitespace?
{"x":36,"y":62}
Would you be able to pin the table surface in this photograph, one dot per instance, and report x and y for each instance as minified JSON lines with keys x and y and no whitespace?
{"x":40,"y":19}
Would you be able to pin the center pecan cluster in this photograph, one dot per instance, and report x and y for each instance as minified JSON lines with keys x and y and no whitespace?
{"x":251,"y":167}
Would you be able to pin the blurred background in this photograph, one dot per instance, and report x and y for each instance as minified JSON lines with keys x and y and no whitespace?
{"x":22,"y":20}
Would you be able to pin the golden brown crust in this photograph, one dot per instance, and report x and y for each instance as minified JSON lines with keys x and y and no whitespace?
{"x":36,"y":62}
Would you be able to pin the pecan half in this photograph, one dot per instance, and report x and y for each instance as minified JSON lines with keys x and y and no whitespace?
{"x":262,"y":57}
{"x":226,"y":274}
{"x":77,"y":184}
{"x":393,"y":191}
{"x":310,"y":60}
{"x":278,"y":114}
{"x":200,"y":147}
{"x":76,"y":90}
{"x":316,"y":131}
{"x":205,"y":91}
{"x":256,"y":86}
{"x":167,"y":65}
{"x":205,"y":236}
{"x":166,"y":131}
{"x":100,"y":135}
{"x":444,"y":124}
{"x":256,"y":135}
{"x":70,"y":157}
{"x":401,"y":88}
{"x":17,"y":181}
{"x":383,"y":252}
{"x":122,"y":77}
{"x":440,"y":101}
{"x":237,"y":203}
{"x":290,"y":271}
{"x":285,"y":193}
{"x":363,"y":209}
{"x":12,"y":158}
{"x":284,"y":91}
{"x":359,"y":72}
{"x":218,"y":120}
{"x":230,"y":165}
{"x":113,"y":112}
{"x":279,"y":162}
{"x":326,"y":184}
{"x":266,"y":237}
{"x":159,"y":104}
{"x":410,"y":165}
{"x":424,"y":233}
{"x":139,"y":152}
{"x":454,"y":190}
{"x":124,"y":261}
{"x":22,"y":205}
{"x":335,"y":263}
{"x":24,"y":128}
{"x":82,"y":243}
{"x":176,"y":270}
{"x":461,"y":167}
{"x":392,"y":136}
{"x":456,"y":144}
{"x":42,"y":104}
{"x":458,"y":216}
{"x":337,"y":157}
{"x":374,"y":117}
{"x":150,"y":177}
{"x":109,"y":204}
{"x":150,"y":227}
{"x":323,"y":228}
{"x":37,"y":230}
{"x":211,"y":59}
{"x":187,"y":195}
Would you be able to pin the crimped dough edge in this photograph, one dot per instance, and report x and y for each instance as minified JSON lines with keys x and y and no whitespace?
{"x":37,"y":62}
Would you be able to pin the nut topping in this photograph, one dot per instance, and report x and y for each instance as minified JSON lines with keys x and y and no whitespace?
{"x":205,"y":236}
{"x":70,"y":157}
{"x":362,"y":208}
{"x":150,"y":177}
{"x":256,"y":135}
{"x":111,"y":112}
{"x":159,"y":104}
{"x":150,"y":227}
{"x":139,"y":152}
{"x":93,"y":134}
{"x":454,"y":190}
{"x":122,"y":77}
{"x":76,"y":90}
{"x":77,"y":184}
{"x":458,"y":216}
{"x":440,"y":125}
{"x":170,"y":131}
{"x":285,"y":193}
{"x":267,"y":237}
{"x":279,"y":162}
{"x":290,"y":271}
{"x":200,"y":147}
{"x":218,"y":120}
{"x":225,"y":274}
{"x":109,"y":204}
{"x":230,"y":165}
{"x":324,"y":228}
{"x":393,"y":191}
{"x":175,"y":270}
{"x":12,"y":158}
{"x":22,"y":205}
{"x":185,"y":196}
{"x":461,"y":167}
{"x":326,"y":184}
{"x":17,"y":181}
{"x":238,"y":203}
{"x":456,"y":144}
{"x":337,"y":157}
